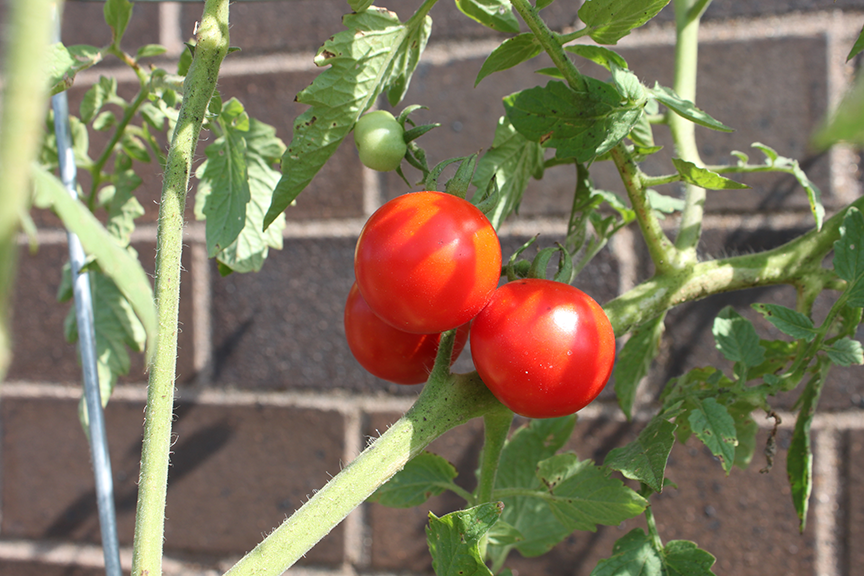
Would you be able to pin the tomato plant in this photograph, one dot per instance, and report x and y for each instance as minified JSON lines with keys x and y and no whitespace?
{"x":543,"y":348}
{"x":388,"y":353}
{"x":380,"y":141}
{"x":427,"y":262}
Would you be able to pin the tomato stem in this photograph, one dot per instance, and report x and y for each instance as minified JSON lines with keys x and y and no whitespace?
{"x":496,"y":427}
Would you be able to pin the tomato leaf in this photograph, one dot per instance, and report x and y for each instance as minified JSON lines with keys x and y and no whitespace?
{"x":846,"y":352}
{"x":686,"y":109}
{"x":426,"y":475}
{"x":454,"y":540}
{"x":737,"y":340}
{"x":645,"y":458}
{"x":512,"y":160}
{"x":65,"y":62}
{"x":578,"y":124}
{"x":511,"y":52}
{"x":583,"y":495}
{"x":598,"y":54}
{"x":745,"y":431}
{"x":788,"y":321}
{"x":799,"y":459}
{"x":496,"y":14}
{"x":713,"y":425}
{"x":634,"y":360}
{"x":96,"y":96}
{"x":849,"y":256}
{"x":375,"y":54}
{"x":123,"y":208}
{"x":359,"y":5}
{"x":635,"y":554}
{"x":610,"y":20}
{"x":704,"y":178}
{"x":117,"y":14}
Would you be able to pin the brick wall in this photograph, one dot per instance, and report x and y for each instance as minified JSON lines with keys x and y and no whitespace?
{"x":270,"y":401}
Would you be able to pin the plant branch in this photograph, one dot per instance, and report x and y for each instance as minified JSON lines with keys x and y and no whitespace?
{"x":28,"y":31}
{"x":663,"y":253}
{"x":497,"y":425}
{"x":443,"y":404}
{"x":211,"y":47}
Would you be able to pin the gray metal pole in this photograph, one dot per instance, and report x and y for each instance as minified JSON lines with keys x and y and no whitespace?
{"x":87,"y":346}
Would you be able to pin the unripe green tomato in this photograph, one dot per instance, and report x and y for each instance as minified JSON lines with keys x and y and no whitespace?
{"x":380,"y":141}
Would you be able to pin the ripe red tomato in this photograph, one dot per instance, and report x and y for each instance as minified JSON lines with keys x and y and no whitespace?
{"x":389,"y":353}
{"x":427,"y":262}
{"x":543,"y":348}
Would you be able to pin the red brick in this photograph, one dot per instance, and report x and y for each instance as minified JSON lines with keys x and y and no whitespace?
{"x":852,"y":511}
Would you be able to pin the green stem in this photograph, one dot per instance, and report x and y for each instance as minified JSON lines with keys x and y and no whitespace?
{"x":212,"y":45}
{"x":28,"y":31}
{"x":441,"y":406}
{"x":646,"y":492}
{"x":420,"y":13}
{"x":683,"y":131}
{"x":790,"y":263}
{"x":550,"y":43}
{"x":662,"y":251}
{"x":496,"y":426}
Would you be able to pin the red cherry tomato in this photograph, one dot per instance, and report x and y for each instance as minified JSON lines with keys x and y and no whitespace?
{"x":388,"y":353}
{"x":543,"y":348}
{"x":427,"y":262}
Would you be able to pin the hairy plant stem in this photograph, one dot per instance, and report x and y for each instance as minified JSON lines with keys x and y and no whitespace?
{"x":444,"y":404}
{"x":211,"y":47}
{"x":683,"y":131}
{"x":496,"y":427}
{"x":653,"y":533}
{"x":23,"y":112}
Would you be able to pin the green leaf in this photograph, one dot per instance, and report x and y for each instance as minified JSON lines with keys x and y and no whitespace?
{"x":704,"y":178}
{"x":359,"y":5}
{"x":788,"y":321}
{"x":598,"y":54}
{"x":454,"y":540}
{"x":664,"y":204}
{"x":814,"y":195}
{"x":376,"y":53}
{"x":684,"y":558}
{"x":117,"y":14}
{"x":149,"y":51}
{"x":645,"y":458}
{"x":736,"y":338}
{"x":634,"y":554}
{"x":495,"y":14}
{"x":543,"y":3}
{"x":583,"y":495}
{"x":517,"y":469}
{"x":578,"y":124}
{"x":846,"y":352}
{"x":799,"y":459}
{"x":64,"y":63}
{"x":503,"y":534}
{"x":745,"y":431}
{"x":426,"y":475}
{"x":634,"y":360}
{"x":512,"y":160}
{"x":846,"y":123}
{"x":713,"y":425}
{"x":123,"y":208}
{"x":114,"y":261}
{"x":849,"y":256}
{"x":134,"y":148}
{"x":686,"y":109}
{"x":611,"y":20}
{"x":511,"y":52}
{"x":857,"y":47}
{"x":95,"y":98}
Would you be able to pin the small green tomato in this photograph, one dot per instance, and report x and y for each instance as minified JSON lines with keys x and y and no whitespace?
{"x":380,"y":141}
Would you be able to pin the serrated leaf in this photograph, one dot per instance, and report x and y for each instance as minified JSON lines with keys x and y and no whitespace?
{"x":634,"y":554}
{"x":687,"y":109}
{"x":114,"y":261}
{"x":123,"y":208}
{"x":495,"y":14}
{"x":684,"y":558}
{"x":849,"y":256}
{"x":598,"y":54}
{"x":65,"y":62}
{"x":511,"y":52}
{"x":846,"y":352}
{"x":578,"y":124}
{"x":454,"y":540}
{"x":788,"y":321}
{"x":93,"y":100}
{"x":634,"y":360}
{"x":583,"y":496}
{"x":426,"y":475}
{"x":359,"y":5}
{"x":117,"y":14}
{"x":611,"y":20}
{"x":799,"y":459}
{"x":704,"y":178}
{"x":713,"y":425}
{"x":645,"y":458}
{"x":736,"y":338}
{"x":512,"y":160}
{"x":376,"y":53}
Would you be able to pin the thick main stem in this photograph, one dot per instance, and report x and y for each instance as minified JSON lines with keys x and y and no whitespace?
{"x":23,"y":111}
{"x":211,"y":47}
{"x":441,"y":406}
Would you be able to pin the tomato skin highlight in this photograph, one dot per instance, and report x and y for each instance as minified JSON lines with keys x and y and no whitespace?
{"x":427,"y":262}
{"x":388,"y":353}
{"x":543,"y":348}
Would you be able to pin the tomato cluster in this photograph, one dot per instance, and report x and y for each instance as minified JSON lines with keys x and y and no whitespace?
{"x":427,"y":262}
